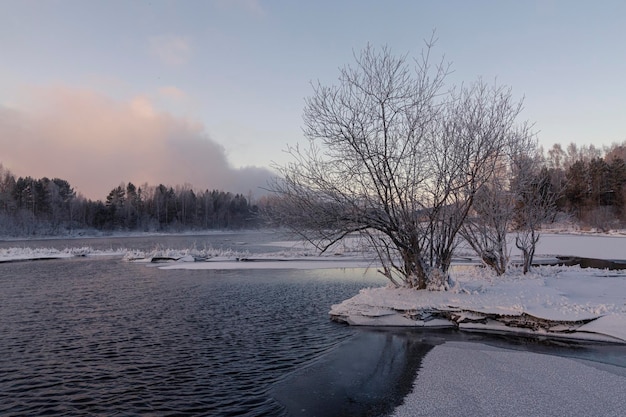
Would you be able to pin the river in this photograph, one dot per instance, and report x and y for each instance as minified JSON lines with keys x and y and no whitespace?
{"x":101,"y":336}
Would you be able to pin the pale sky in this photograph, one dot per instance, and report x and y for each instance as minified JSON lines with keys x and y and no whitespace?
{"x":211,"y":92}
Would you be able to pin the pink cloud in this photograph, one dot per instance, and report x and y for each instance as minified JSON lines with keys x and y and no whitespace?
{"x":95,"y":143}
{"x":173,"y":93}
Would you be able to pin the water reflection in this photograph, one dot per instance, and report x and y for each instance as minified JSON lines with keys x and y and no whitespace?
{"x":366,"y":376}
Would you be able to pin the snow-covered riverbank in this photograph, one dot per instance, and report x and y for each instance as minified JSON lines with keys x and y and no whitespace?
{"x":15,"y":254}
{"x":552,"y":301}
{"x":474,"y":379}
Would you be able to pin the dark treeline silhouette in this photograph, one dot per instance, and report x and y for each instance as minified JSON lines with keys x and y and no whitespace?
{"x":44,"y":206}
{"x":590,"y":183}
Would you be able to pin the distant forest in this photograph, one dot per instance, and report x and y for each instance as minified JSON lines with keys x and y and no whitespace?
{"x":590,"y":184}
{"x":34,"y":207}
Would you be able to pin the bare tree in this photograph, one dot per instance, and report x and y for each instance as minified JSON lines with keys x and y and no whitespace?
{"x":493,"y":213}
{"x":396,"y":158}
{"x":487,"y":227}
{"x":535,"y":204}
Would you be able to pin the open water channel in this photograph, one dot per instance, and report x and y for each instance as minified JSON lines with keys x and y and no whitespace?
{"x":101,"y":336}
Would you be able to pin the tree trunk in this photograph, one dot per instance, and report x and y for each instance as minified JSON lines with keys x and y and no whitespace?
{"x":416,"y":270}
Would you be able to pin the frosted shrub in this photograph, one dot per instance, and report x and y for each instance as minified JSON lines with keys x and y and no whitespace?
{"x":437,"y":280}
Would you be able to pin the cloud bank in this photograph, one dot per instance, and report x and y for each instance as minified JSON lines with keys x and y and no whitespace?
{"x":96,"y":143}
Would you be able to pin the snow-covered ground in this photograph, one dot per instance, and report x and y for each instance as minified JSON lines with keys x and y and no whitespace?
{"x":30,"y":254}
{"x":551,"y":301}
{"x":473,"y":379}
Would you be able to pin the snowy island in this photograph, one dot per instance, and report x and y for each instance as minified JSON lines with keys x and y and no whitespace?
{"x":551,"y":302}
{"x":557,"y":302}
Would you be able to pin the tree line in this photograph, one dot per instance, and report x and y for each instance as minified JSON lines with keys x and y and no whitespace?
{"x":590,"y":183}
{"x":43,"y":206}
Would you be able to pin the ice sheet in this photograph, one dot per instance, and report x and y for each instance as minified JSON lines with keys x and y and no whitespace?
{"x":468,"y":379}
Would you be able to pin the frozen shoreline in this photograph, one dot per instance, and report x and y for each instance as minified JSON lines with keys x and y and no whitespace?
{"x":551,"y":302}
{"x":472,"y":379}
{"x":401,"y":372}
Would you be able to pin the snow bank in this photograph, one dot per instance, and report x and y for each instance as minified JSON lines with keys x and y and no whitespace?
{"x":586,"y":246}
{"x":32,"y":254}
{"x":556,"y":302}
{"x":22,"y":254}
{"x":312,"y":262}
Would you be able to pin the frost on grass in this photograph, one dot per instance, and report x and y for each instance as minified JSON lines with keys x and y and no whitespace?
{"x":158,"y":255}
{"x":31,"y":254}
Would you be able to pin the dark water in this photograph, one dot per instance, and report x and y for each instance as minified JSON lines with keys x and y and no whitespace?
{"x":99,"y":336}
{"x":106,"y":337}
{"x":368,"y":375}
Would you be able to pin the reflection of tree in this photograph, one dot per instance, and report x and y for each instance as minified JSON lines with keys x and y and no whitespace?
{"x":394,"y":373}
{"x":370,"y":375}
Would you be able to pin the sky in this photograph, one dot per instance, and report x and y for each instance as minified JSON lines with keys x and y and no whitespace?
{"x":211,"y":93}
